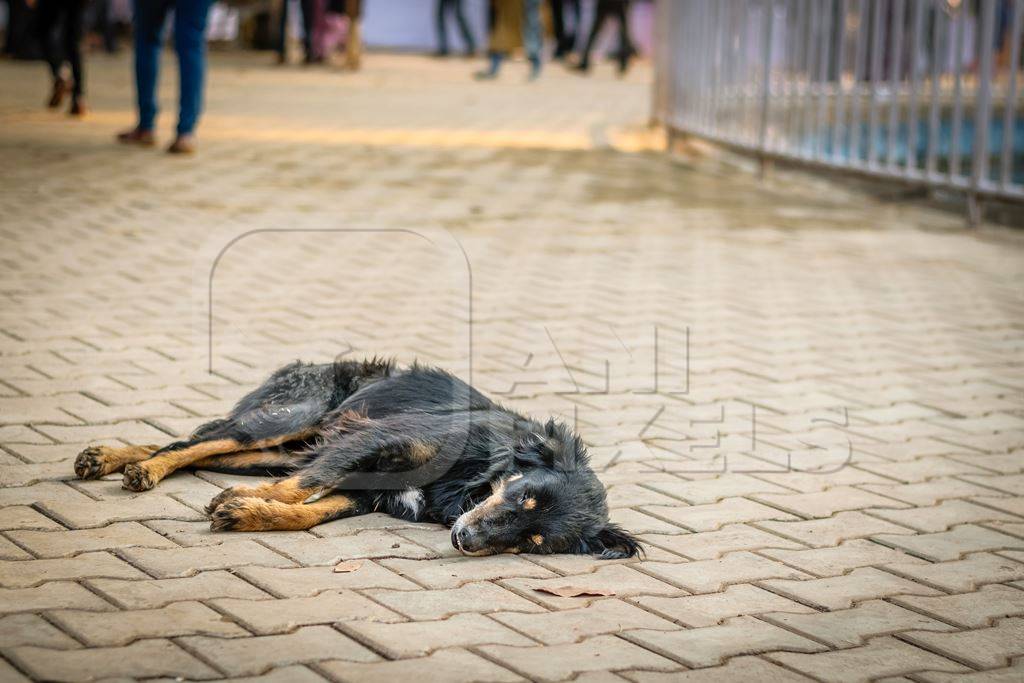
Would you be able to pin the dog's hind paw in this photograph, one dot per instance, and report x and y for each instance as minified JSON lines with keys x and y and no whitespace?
{"x":90,"y":463}
{"x":137,"y":478}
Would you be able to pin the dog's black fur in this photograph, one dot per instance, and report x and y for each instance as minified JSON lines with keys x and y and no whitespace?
{"x":415,"y":442}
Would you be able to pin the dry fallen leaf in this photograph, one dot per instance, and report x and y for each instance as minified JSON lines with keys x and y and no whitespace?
{"x":574,"y":591}
{"x":346,"y":567}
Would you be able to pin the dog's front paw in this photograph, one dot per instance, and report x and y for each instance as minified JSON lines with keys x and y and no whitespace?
{"x":137,"y":478}
{"x":221,"y":498}
{"x":90,"y":463}
{"x":239,"y":514}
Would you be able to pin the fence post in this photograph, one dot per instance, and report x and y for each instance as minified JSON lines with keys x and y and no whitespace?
{"x":983,"y":113}
{"x":766,"y":86}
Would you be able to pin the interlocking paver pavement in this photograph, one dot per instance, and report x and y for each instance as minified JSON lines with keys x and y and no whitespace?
{"x":807,"y":401}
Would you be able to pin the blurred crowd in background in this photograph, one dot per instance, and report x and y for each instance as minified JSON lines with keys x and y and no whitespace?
{"x":333,"y":32}
{"x":440,"y":26}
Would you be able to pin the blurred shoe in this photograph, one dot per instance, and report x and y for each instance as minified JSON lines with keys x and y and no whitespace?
{"x":78,"y":107}
{"x":137,"y":136}
{"x":534,"y":69}
{"x":183,"y":144}
{"x":61,"y":87}
{"x":440,"y":54}
{"x":582,"y":68}
{"x":491,"y":72}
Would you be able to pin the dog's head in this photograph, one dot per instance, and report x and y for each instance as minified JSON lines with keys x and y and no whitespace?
{"x":553,"y":504}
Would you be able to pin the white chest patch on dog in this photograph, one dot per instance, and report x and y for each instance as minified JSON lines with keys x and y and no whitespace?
{"x":412,"y":499}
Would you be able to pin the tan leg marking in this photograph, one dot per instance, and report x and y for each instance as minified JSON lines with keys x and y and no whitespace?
{"x":259,"y":514}
{"x":246,"y":460}
{"x":283,"y":491}
{"x":146,"y":475}
{"x":97,"y":461}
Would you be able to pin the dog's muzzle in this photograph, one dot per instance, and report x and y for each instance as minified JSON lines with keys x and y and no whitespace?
{"x":466,"y":541}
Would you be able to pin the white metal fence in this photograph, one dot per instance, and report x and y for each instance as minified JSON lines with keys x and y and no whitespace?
{"x":923,"y":91}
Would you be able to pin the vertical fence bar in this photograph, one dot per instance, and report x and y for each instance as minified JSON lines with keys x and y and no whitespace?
{"x":777,"y":119}
{"x":807,"y":129}
{"x":938,"y":54}
{"x":837,"y":113}
{"x":703,"y":62}
{"x":824,"y":31}
{"x":748,"y":80}
{"x":706,"y":66}
{"x":798,"y":73}
{"x":960,"y":30}
{"x":859,"y":68}
{"x":895,"y":78}
{"x":876,"y":77}
{"x":681,"y":52}
{"x":665,"y":35}
{"x":915,"y":82}
{"x":1010,"y":102}
{"x":983,"y":111}
{"x":766,"y":83}
{"x":794,"y":37}
{"x":716,"y":69}
{"x":683,"y":49}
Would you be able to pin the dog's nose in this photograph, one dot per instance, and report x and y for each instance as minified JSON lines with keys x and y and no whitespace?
{"x":458,"y":537}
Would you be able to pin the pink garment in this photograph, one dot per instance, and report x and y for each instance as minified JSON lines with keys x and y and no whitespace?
{"x":331,"y":33}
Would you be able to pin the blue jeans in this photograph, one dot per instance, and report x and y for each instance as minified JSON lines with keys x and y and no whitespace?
{"x":148,"y":22}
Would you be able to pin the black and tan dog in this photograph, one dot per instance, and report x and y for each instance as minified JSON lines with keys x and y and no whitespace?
{"x":417,"y":443}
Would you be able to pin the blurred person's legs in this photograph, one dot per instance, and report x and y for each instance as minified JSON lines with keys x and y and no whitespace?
{"x":532,"y":35}
{"x":442,"y":33}
{"x":453,"y":7}
{"x":48,"y":16}
{"x":8,"y":48}
{"x":148,"y":19}
{"x":354,"y":41}
{"x":467,"y":34}
{"x":71,"y":34}
{"x":190,"y":45}
{"x":565,"y":38}
{"x":605,"y":9}
{"x":19,"y":34}
{"x":68,"y":17}
{"x":308,"y":10}
{"x":626,"y":49}
{"x":506,"y":21}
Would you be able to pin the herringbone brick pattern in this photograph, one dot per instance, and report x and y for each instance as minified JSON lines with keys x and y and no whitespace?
{"x":807,"y":402}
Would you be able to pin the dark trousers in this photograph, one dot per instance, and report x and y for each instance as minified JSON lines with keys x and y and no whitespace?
{"x":453,"y":7}
{"x":565,"y":38}
{"x":190,"y":44}
{"x":618,"y":9}
{"x":68,"y":17}
{"x":308,"y":9}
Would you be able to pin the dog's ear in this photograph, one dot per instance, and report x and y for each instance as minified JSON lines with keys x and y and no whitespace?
{"x":533,"y":451}
{"x":557,"y":446}
{"x":612,"y":543}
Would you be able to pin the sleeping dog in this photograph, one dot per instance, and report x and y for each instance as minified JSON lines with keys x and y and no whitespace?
{"x":417,"y":443}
